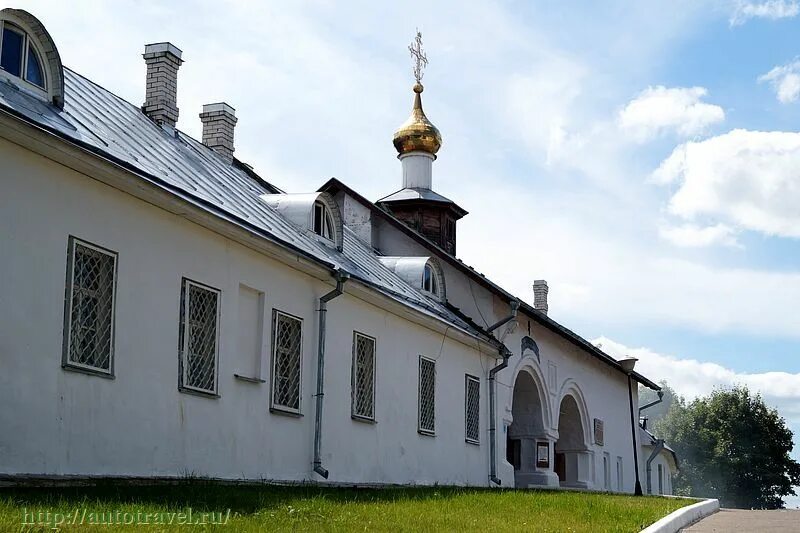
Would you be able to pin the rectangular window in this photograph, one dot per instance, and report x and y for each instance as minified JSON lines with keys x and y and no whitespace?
{"x":661,"y":479}
{"x":286,"y":361}
{"x":89,"y":308}
{"x":606,"y":471}
{"x":472,"y":406}
{"x":427,"y":395}
{"x":619,"y":474}
{"x":199,"y":337}
{"x":363,"y":377}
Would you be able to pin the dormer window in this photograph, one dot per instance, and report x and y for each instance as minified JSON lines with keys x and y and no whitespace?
{"x":18,"y":56}
{"x":315,"y":214}
{"x":323,"y":221}
{"x":425,"y":274}
{"x":429,"y":282}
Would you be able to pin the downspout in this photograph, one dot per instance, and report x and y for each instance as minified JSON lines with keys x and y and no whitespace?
{"x":505,"y":353}
{"x":656,"y":451}
{"x":341,"y":277}
{"x":654,"y":402}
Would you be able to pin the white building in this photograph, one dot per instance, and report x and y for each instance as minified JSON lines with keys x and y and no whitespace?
{"x":166,"y":312}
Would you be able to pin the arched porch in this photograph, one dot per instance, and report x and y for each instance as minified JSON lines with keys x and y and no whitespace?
{"x":573,"y":459}
{"x":529,"y":445}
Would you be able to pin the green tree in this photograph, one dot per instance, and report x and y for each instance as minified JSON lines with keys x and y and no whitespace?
{"x":733,"y":447}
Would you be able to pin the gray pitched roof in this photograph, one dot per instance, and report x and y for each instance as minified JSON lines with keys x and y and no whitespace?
{"x":107,"y":125}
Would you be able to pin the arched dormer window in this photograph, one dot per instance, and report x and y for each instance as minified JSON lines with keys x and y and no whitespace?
{"x":323,"y":221}
{"x":423,"y":273}
{"x":29,"y":58}
{"x":316,"y":214}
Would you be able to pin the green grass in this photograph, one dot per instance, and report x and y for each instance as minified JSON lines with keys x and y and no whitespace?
{"x":313,"y":508}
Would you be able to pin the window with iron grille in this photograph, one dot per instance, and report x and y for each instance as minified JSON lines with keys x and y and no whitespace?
{"x":287,"y":350}
{"x":363,"y":387}
{"x":89,"y":308}
{"x":472,"y":405}
{"x":199,"y":337}
{"x":427,"y":395}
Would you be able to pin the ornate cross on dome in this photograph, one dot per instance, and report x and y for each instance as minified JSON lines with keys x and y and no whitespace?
{"x":420,"y":59}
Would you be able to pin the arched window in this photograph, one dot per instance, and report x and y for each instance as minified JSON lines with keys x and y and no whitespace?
{"x":323,"y":221}
{"x":18,"y":55}
{"x":429,"y":282}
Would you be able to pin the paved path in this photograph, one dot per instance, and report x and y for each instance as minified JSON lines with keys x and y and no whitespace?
{"x":739,"y":520}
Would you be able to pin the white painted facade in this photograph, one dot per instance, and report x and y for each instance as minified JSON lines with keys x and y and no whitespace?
{"x":60,"y":422}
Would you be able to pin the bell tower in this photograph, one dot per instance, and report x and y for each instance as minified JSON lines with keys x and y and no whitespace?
{"x":417,"y":141}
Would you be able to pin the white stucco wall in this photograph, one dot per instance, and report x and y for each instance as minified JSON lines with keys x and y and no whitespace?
{"x":59,"y":422}
{"x":663,"y":459}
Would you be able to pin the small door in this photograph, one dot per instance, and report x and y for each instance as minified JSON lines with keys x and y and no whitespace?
{"x":561,"y":467}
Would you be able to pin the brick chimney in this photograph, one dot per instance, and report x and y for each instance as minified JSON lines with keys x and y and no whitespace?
{"x":161,"y":96}
{"x":540,"y":295}
{"x":218,"y":123}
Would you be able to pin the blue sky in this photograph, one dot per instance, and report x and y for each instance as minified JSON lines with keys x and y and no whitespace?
{"x":643,"y":157}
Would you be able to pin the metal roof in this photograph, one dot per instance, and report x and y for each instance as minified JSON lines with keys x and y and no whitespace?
{"x":103,"y":123}
{"x":333,"y":185}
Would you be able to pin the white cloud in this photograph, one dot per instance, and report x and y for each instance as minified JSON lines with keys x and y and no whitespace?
{"x":694,"y":236}
{"x":677,"y":109}
{"x":785,"y":80}
{"x":749,"y":178}
{"x":692,"y":378}
{"x":771,"y":9}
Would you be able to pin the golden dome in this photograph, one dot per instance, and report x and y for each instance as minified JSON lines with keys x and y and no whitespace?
{"x":417,"y":133}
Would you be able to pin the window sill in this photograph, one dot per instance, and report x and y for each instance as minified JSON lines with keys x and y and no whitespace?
{"x":248,"y":379}
{"x":89,"y":371}
{"x":363,"y":419}
{"x":473,"y":442}
{"x":284,"y":412}
{"x":426,"y":432}
{"x":202,"y":394}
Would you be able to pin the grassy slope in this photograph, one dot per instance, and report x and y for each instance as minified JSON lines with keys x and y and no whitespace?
{"x":258,"y":508}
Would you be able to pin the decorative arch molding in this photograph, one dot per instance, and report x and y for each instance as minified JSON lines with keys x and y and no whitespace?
{"x":571,"y":388}
{"x":46,"y":47}
{"x":299,"y":210}
{"x":530,"y":365}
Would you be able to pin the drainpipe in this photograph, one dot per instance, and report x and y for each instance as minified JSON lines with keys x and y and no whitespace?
{"x":514,"y":306}
{"x":341,"y":277}
{"x":655,"y":402}
{"x":656,"y":451}
{"x":505,"y":353}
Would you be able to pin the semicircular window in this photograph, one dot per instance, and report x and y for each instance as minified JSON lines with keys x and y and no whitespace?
{"x":18,"y":56}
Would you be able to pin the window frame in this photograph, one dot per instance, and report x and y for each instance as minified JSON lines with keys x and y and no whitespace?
{"x":66,"y":362}
{"x":275,"y":407}
{"x":353,"y":377}
{"x":433,"y":286}
{"x":474,"y":379}
{"x":326,"y":223}
{"x":27,"y":44}
{"x":420,"y":429}
{"x":183,"y":338}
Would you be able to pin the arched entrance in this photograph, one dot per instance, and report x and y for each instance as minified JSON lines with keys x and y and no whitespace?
{"x":528,"y":447}
{"x":572,"y":457}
